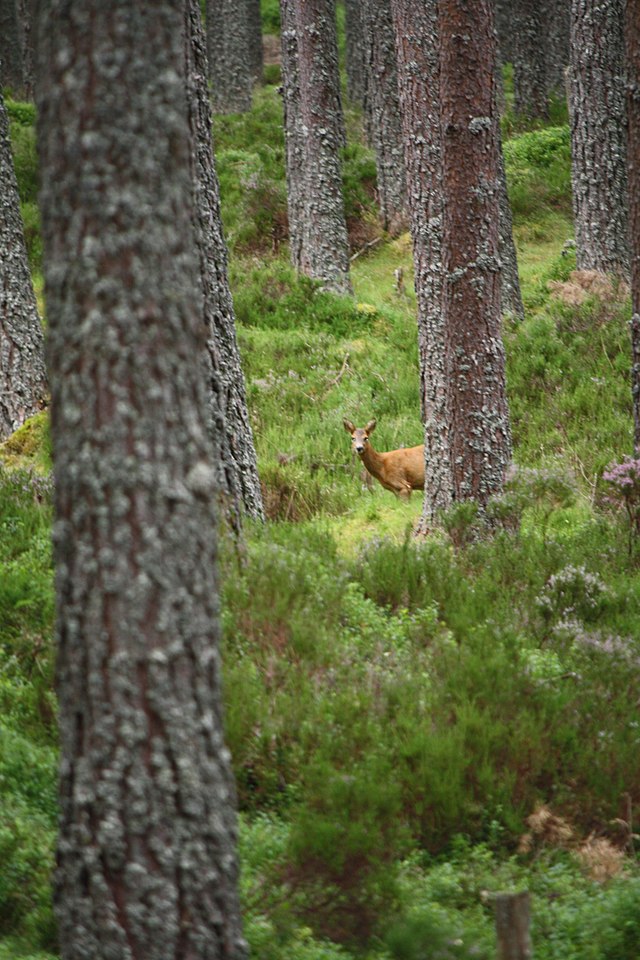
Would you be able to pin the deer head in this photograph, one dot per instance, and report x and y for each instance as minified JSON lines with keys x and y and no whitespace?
{"x":359,"y":435}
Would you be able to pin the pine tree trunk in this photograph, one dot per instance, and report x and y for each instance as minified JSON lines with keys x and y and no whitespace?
{"x":293,"y":132}
{"x":325,"y":249}
{"x":23,"y":380}
{"x":504,"y":28}
{"x":354,"y":54}
{"x":229,"y":52}
{"x":256,"y":53}
{"x":632,"y":52}
{"x":234,"y":450}
{"x":11,"y":52}
{"x":510,"y":294}
{"x":146,"y":860}
{"x":415,"y":25}
{"x":530,"y":59}
{"x":598,"y":136}
{"x":480,"y":436}
{"x":556,"y":46}
{"x":383,"y":110}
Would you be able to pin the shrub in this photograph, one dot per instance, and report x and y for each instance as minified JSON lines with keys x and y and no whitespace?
{"x":270,"y":16}
{"x":624,"y":491}
{"x":538,"y":167}
{"x":27,"y":831}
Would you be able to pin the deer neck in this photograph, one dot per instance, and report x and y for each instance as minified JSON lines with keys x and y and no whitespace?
{"x":372,"y":460}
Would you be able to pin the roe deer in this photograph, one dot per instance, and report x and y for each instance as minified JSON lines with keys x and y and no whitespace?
{"x":400,"y":471}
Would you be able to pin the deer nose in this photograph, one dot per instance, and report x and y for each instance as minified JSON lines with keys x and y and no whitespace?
{"x":359,"y":447}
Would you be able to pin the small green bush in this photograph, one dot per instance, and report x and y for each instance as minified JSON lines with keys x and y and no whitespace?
{"x":270,"y":16}
{"x":28,"y":813}
{"x":538,"y":166}
{"x":25,"y":160}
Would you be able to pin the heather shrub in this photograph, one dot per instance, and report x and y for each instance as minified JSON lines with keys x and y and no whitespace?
{"x":623,"y":492}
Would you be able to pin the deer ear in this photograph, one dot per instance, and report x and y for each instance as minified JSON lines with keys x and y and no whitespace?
{"x":370,"y":427}
{"x":349,"y":427}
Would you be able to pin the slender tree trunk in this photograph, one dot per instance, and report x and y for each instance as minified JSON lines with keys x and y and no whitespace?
{"x":293,"y":132}
{"x":632,"y":41}
{"x":146,"y":861}
{"x":504,"y":27}
{"x":11,"y":51}
{"x":510,"y":294}
{"x":480,"y":436}
{"x":556,"y":43}
{"x":23,"y":380}
{"x":354,"y":52}
{"x":234,"y":450}
{"x":598,"y":135}
{"x":325,"y":247}
{"x":383,"y":109}
{"x":415,"y":24}
{"x":254,"y":17}
{"x":530,"y":58}
{"x":230,"y":60}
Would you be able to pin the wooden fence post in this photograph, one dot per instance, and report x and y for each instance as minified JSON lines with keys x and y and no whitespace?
{"x":513,"y":914}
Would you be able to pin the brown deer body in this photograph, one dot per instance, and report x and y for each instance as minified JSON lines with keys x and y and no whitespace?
{"x":400,"y":471}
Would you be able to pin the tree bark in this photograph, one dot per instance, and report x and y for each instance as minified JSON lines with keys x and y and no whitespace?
{"x":314,"y":137}
{"x":383,"y":111}
{"x":23,"y":379}
{"x":146,"y":855}
{"x":11,"y":50}
{"x":230,"y":59}
{"x":510,"y":294}
{"x":556,"y":44}
{"x":293,"y":132}
{"x":354,"y":54}
{"x":234,"y":451}
{"x":530,"y":58}
{"x":632,"y":56}
{"x":446,"y":62}
{"x":480,"y":435}
{"x":415,"y":25}
{"x":254,"y":19}
{"x":598,"y":136}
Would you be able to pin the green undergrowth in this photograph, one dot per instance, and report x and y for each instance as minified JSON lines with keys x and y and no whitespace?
{"x":400,"y":713}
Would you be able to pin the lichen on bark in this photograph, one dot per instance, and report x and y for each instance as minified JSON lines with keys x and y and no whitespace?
{"x":597,"y":109}
{"x":146,"y":856}
{"x":23,"y":379}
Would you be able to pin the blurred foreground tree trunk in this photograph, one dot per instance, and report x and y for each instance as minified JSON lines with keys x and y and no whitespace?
{"x":384,"y":122}
{"x":598,"y":135}
{"x":23,"y":380}
{"x":231,"y":64}
{"x":632,"y":58}
{"x":234,"y":450}
{"x":146,"y":856}
{"x":314,"y":137}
